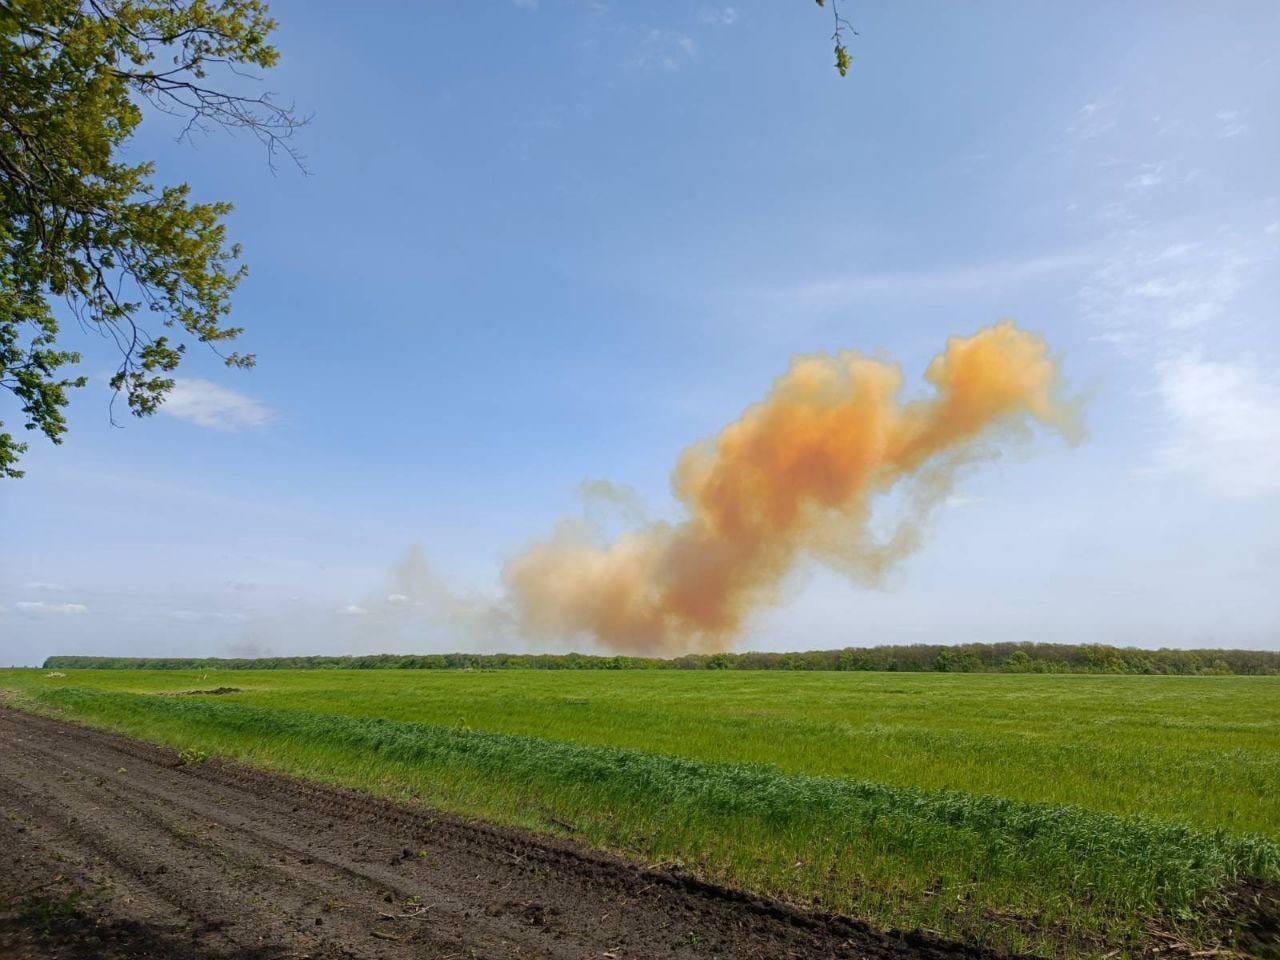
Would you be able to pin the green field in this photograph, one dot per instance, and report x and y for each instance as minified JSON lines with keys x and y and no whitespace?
{"x":1057,"y":814}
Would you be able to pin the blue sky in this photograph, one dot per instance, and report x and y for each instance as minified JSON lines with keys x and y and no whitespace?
{"x":550,"y":242}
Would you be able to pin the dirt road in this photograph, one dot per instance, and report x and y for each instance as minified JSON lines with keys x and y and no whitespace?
{"x":111,"y":848}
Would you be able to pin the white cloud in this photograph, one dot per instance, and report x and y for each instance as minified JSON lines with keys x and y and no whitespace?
{"x":1232,"y":123}
{"x":1147,"y":288}
{"x":666,"y":50}
{"x":723,"y":16}
{"x":1225,"y":425}
{"x":1094,"y":119}
{"x":1151,"y":175}
{"x":208,"y":404}
{"x":44,"y":586}
{"x":353,"y":610}
{"x":1186,"y":309}
{"x":41,"y":606}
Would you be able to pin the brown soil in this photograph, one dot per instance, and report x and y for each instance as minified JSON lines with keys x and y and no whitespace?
{"x":112,"y":848}
{"x":1252,"y":913}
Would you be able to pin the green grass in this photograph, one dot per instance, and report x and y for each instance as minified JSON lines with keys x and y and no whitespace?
{"x":1055,"y":814}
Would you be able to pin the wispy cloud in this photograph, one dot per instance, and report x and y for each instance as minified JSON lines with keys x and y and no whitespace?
{"x":1094,"y":119}
{"x":666,"y":50}
{"x":42,"y":606}
{"x":1150,"y":175}
{"x":721,"y":16}
{"x":1186,"y":296}
{"x":1151,"y":284}
{"x":208,"y":404}
{"x":948,"y":281}
{"x":1226,"y":425}
{"x":1232,"y":123}
{"x":1180,"y":307}
{"x":205,"y":616}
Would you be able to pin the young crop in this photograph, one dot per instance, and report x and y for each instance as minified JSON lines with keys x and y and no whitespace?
{"x":900,"y":855}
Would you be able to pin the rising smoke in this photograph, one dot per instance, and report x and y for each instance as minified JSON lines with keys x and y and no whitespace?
{"x":795,"y":475}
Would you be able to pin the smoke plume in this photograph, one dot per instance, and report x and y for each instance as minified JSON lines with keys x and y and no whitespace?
{"x":795,"y":475}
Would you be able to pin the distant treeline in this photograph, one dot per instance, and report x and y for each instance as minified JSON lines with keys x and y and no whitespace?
{"x":920,"y":658}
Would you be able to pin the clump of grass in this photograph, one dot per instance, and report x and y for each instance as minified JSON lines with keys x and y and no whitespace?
{"x":191,"y":755}
{"x":45,"y":914}
{"x":1004,"y":872}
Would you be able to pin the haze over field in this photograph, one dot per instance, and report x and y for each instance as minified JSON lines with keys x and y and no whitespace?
{"x":579,"y":238}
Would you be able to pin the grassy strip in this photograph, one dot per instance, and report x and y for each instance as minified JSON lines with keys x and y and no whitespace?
{"x":1015,"y":875}
{"x":1200,"y":751}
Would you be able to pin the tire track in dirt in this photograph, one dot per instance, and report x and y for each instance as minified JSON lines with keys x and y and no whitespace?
{"x":219,"y":859}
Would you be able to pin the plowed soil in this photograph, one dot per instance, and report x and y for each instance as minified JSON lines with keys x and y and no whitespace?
{"x":110,"y":847}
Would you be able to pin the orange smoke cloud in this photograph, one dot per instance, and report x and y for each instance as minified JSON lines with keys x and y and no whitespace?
{"x":796,"y":474}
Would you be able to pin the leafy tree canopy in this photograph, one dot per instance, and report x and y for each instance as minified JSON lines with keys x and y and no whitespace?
{"x":81,"y":227}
